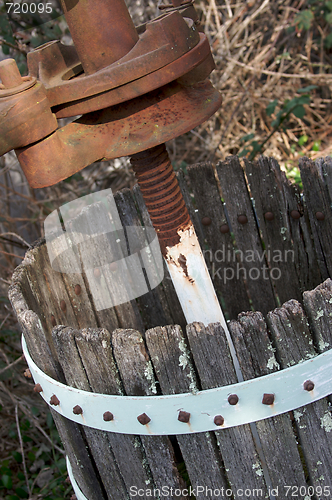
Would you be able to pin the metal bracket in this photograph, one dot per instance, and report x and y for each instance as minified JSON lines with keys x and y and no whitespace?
{"x":208,"y":410}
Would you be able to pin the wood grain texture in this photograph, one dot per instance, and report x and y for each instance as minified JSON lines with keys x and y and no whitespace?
{"x":290,"y":331}
{"x":256,"y":357}
{"x":223,"y":271}
{"x":250,"y":253}
{"x":138,"y":379}
{"x":318,"y":307}
{"x":214,"y":366}
{"x":171,"y":361}
{"x":266,"y":186}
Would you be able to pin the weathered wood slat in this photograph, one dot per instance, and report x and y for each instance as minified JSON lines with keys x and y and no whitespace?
{"x":70,"y":434}
{"x":94,"y":347}
{"x":318,"y":200}
{"x":214,"y":365}
{"x":290,"y":331}
{"x":175,"y":373}
{"x":166,"y":288}
{"x":278,"y":441}
{"x":138,"y":379}
{"x":318,"y":306}
{"x":208,"y":202}
{"x":251,"y":258}
{"x":265,"y":181}
{"x":97,"y":440}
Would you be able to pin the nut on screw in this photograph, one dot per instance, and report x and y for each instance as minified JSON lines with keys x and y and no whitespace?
{"x":54,"y":400}
{"x":143,"y":419}
{"x":108,"y":416}
{"x":233,"y":399}
{"x":268,"y":399}
{"x":27,"y":373}
{"x":219,"y":420}
{"x":38,"y":388}
{"x":184,"y":417}
{"x":308,"y":385}
{"x":77,"y":410}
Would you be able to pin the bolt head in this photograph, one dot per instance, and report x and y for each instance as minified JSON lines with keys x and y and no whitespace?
{"x":184,"y":417}
{"x":308,"y":385}
{"x":63,"y":306}
{"x":268,"y":399}
{"x":38,"y":388}
{"x":143,"y":419}
{"x":269,"y":216}
{"x":242,"y":219}
{"x":54,"y":400}
{"x":77,"y":289}
{"x":206,"y":221}
{"x":77,"y":410}
{"x":295,"y":214}
{"x":224,"y":228}
{"x":320,"y":216}
{"x":219,"y":420}
{"x":233,"y":399}
{"x":108,"y":416}
{"x":27,"y":373}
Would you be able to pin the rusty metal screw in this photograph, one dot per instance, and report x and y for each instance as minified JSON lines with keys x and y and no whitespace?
{"x":233,"y":399}
{"x":295,"y":214}
{"x":77,"y":410}
{"x":78,"y":289}
{"x":184,"y":416}
{"x":268,"y":399}
{"x":242,"y":219}
{"x":161,"y":193}
{"x":224,"y":228}
{"x":143,"y":419}
{"x":320,"y":216}
{"x":206,"y":221}
{"x":269,"y":216}
{"x":219,"y":420}
{"x":308,"y":385}
{"x":108,"y":416}
{"x":54,"y":400}
{"x":38,"y":388}
{"x":9,"y":74}
{"x":27,"y":373}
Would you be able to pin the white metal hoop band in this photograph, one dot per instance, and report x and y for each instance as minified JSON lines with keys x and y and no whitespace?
{"x":208,"y":410}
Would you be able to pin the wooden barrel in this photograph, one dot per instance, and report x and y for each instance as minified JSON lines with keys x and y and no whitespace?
{"x":265,"y":245}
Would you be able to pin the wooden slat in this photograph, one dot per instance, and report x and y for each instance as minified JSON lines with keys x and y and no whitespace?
{"x":213,"y":362}
{"x":70,"y":434}
{"x":251,"y":257}
{"x":94,"y":347}
{"x":208,"y":202}
{"x":166,"y":288}
{"x":265,"y":181}
{"x":97,"y":440}
{"x":290,"y":331}
{"x":171,"y":362}
{"x":277,"y":439}
{"x":317,"y":199}
{"x":318,"y":306}
{"x":138,"y":379}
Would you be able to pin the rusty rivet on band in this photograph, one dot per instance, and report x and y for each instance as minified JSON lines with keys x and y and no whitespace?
{"x":78,"y":289}
{"x":206,"y":221}
{"x":242,"y":219}
{"x":320,"y":216}
{"x":54,"y":400}
{"x":53,"y":321}
{"x":224,"y":229}
{"x":268,"y":399}
{"x":77,"y":410}
{"x":184,"y":416}
{"x":295,"y":214}
{"x":108,"y":416}
{"x":143,"y":419}
{"x":219,"y":420}
{"x":233,"y":399}
{"x":27,"y":373}
{"x":269,"y":216}
{"x":308,"y":385}
{"x":63,"y":305}
{"x":38,"y":388}
{"x":96,"y":272}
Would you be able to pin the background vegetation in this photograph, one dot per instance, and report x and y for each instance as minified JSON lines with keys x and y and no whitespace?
{"x":273,"y":68}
